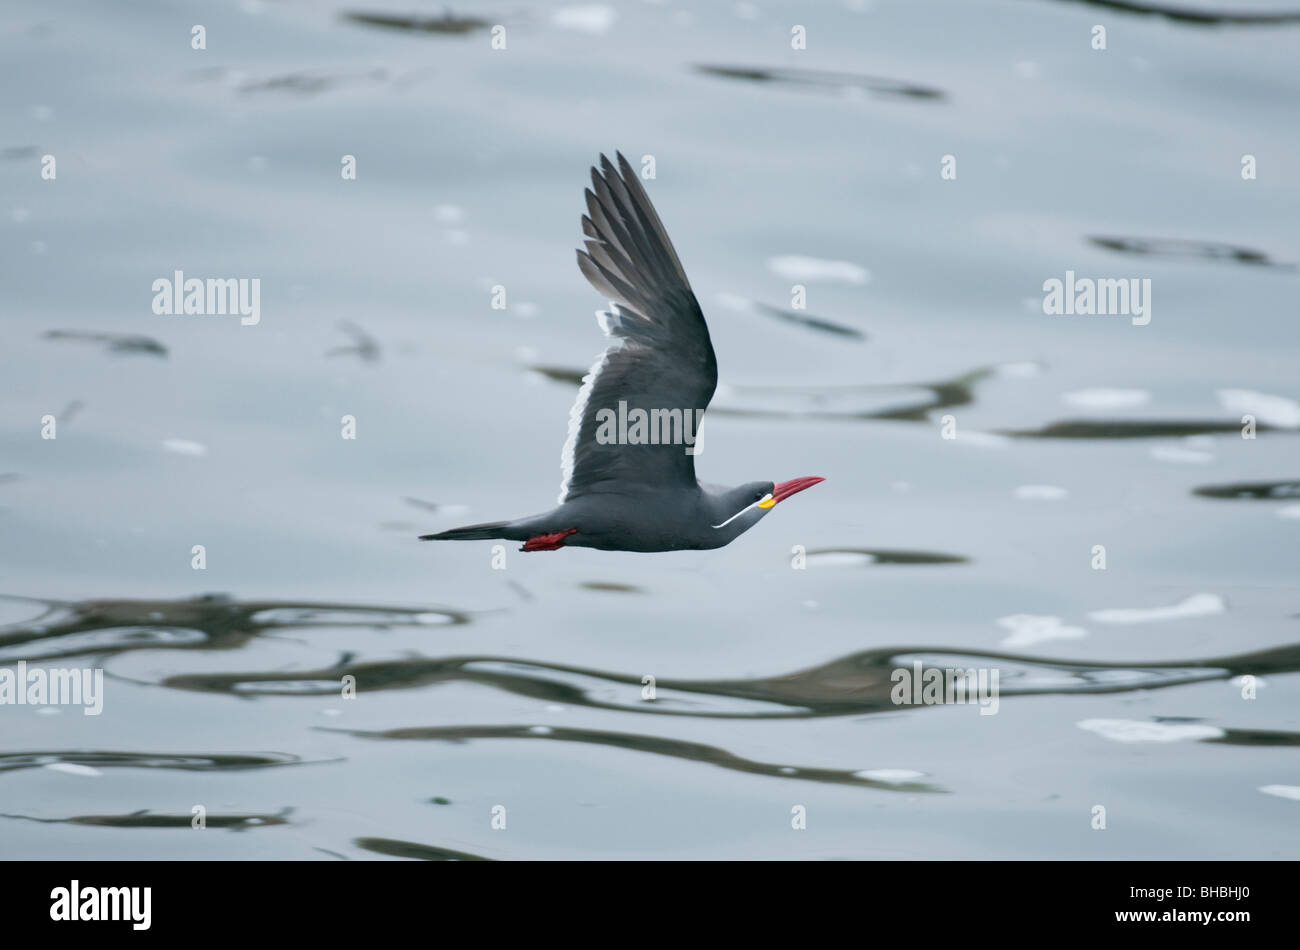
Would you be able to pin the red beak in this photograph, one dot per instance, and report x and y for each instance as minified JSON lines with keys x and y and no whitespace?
{"x":783,"y":490}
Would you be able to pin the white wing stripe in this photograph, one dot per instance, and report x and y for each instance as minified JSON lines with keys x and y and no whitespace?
{"x":609,"y":322}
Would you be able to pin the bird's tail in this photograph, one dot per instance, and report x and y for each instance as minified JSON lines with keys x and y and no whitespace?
{"x":474,"y":532}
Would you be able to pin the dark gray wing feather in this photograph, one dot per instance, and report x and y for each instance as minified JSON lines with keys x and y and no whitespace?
{"x":660,"y":355}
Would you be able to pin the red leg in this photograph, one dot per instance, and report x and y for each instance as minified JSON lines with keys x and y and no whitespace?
{"x":548,"y":542}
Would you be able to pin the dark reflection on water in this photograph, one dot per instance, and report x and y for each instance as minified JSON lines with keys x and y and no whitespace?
{"x":70,"y":411}
{"x":824,"y":79}
{"x":656,"y":745}
{"x":1256,"y":491}
{"x":1196,"y":250}
{"x":448,"y":24}
{"x":1256,"y":737}
{"x":859,"y":683}
{"x":121,"y":343}
{"x":312,"y":83}
{"x":876,"y":556}
{"x":1133,"y":429}
{"x":418,"y":852}
{"x":13,"y":153}
{"x":207,"y":622}
{"x":807,"y":320}
{"x":1201,"y":16}
{"x":222,"y":762}
{"x":144,"y":819}
{"x":945,"y":394}
{"x":306,"y":82}
{"x":364,"y":346}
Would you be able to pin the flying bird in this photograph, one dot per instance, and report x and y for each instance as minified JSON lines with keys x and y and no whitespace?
{"x":623,"y":488}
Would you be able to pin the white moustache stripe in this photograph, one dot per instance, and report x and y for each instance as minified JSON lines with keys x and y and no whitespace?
{"x":742,"y":511}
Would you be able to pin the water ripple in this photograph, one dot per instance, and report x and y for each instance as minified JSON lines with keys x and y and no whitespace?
{"x":657,"y":745}
{"x":207,"y":622}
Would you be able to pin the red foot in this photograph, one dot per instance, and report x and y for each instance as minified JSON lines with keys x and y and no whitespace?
{"x":548,"y":542}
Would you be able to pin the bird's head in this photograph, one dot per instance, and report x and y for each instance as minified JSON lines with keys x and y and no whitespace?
{"x":743,"y":507}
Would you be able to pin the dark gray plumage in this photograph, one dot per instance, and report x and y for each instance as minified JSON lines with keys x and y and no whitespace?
{"x":638,"y":497}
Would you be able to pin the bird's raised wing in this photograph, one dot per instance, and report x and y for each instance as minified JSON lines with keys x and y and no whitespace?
{"x":659,"y":359}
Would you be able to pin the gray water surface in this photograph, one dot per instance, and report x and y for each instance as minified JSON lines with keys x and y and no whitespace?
{"x":523,"y":687}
